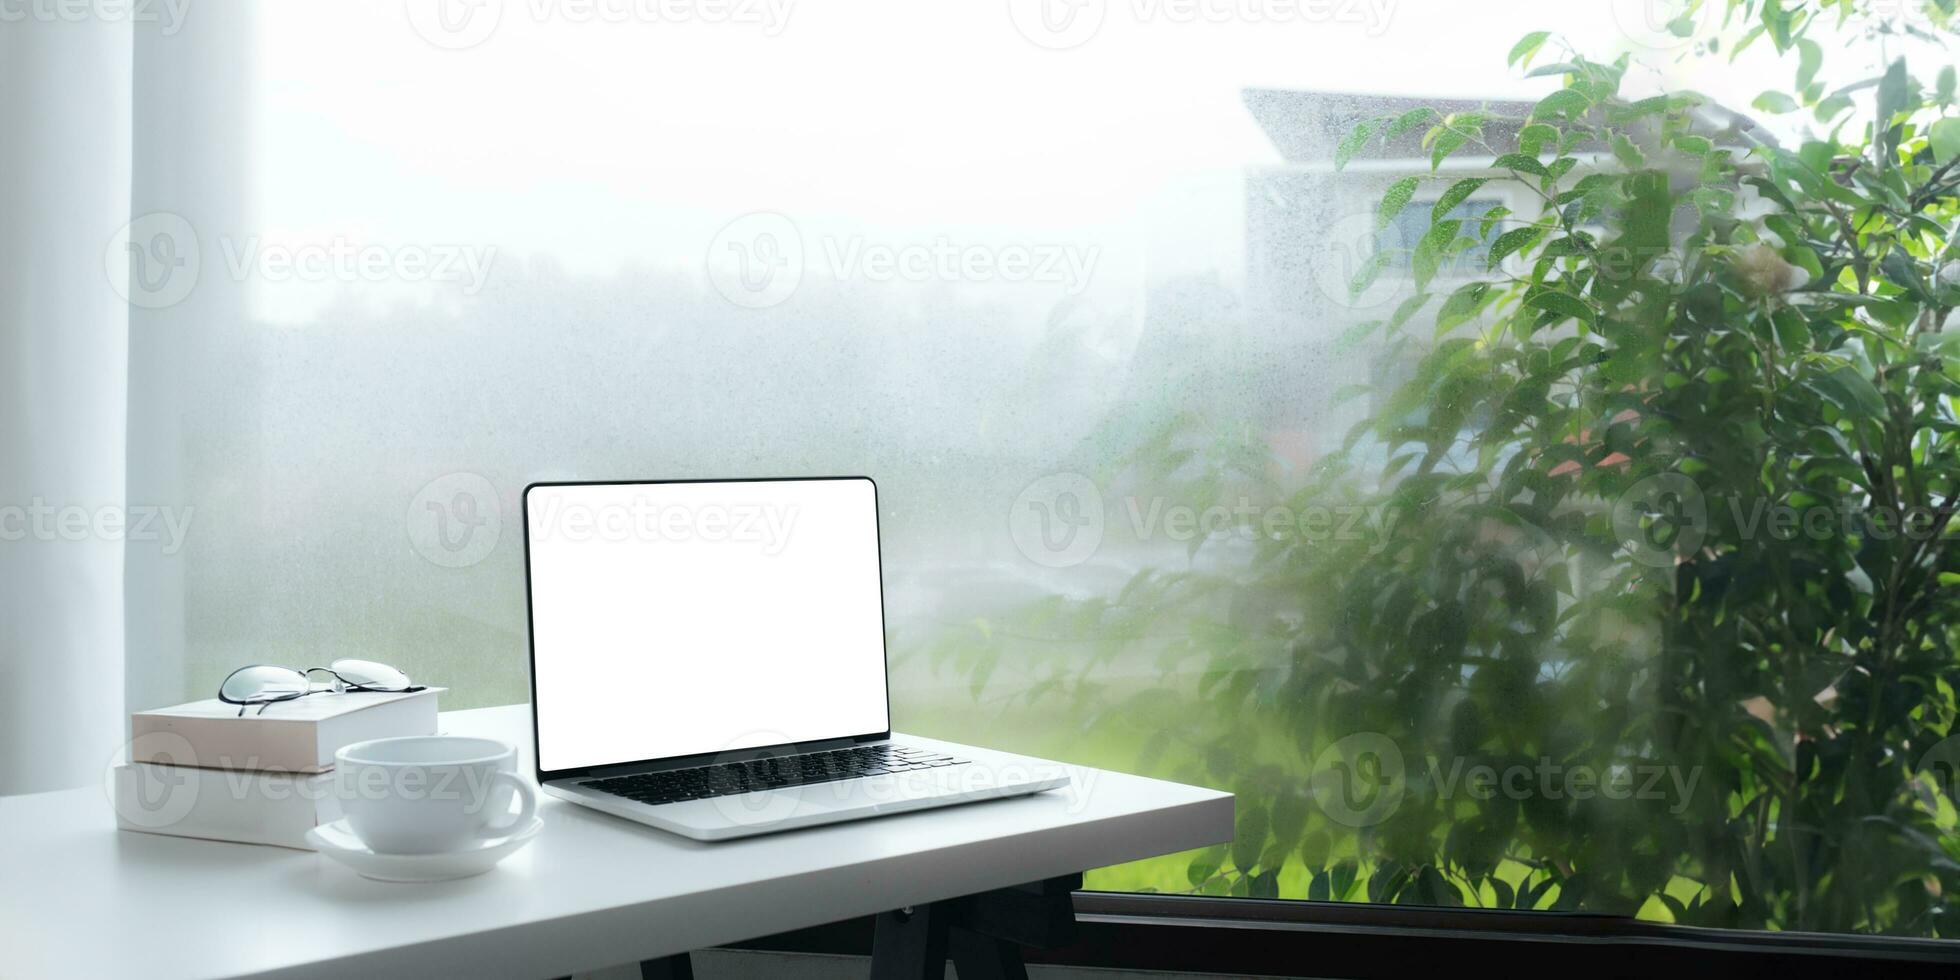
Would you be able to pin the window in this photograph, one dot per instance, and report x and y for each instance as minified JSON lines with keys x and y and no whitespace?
{"x":1409,"y":225}
{"x":1162,"y":493}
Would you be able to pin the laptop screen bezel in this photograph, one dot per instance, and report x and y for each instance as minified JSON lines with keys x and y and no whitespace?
{"x":683,"y":761}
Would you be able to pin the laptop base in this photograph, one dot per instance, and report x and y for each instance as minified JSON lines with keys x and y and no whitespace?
{"x":988,"y":775}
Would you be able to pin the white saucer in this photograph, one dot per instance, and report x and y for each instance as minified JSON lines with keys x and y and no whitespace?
{"x":336,"y":840}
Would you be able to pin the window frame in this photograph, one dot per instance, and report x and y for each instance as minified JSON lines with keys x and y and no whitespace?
{"x":1292,"y":937}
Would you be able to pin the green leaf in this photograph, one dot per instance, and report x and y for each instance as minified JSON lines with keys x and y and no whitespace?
{"x":1527,"y":47}
{"x":1792,"y":333}
{"x":1627,"y":153}
{"x":1371,"y":268}
{"x":1943,"y":88}
{"x":1431,"y":249}
{"x":1354,"y":141}
{"x":1462,"y":305}
{"x":1893,"y":95}
{"x":1249,"y":838}
{"x":1491,"y":219}
{"x":1512,"y":241}
{"x":1447,"y":141}
{"x":1521,"y":163}
{"x":1355,"y":334}
{"x":1563,"y":304}
{"x":1810,"y":57}
{"x":1852,"y":392}
{"x":1407,"y":121}
{"x":1775,"y":102}
{"x":1564,"y":102}
{"x":1205,"y":865}
{"x":1408,"y":308}
{"x":1698,"y":145}
{"x":1945,"y":137}
{"x":1394,"y":200}
{"x":1456,"y":195}
{"x":1536,"y":137}
{"x":1557,"y":68}
{"x":1831,"y":107}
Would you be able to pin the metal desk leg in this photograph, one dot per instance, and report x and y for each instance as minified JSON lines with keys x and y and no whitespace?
{"x":910,"y":944}
{"x":982,"y":933}
{"x":675,"y":967}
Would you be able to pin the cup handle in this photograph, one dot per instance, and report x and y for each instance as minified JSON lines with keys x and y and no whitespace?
{"x":527,"y":805}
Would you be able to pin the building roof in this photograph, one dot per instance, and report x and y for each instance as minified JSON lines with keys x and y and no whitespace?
{"x":1306,"y":126}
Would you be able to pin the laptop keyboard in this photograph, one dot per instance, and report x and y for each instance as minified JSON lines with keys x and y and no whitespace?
{"x":776,"y":772}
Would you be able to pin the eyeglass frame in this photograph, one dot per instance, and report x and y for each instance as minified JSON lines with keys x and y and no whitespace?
{"x":341,"y":686}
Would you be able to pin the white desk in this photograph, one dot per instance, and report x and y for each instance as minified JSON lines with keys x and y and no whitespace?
{"x":78,"y":898}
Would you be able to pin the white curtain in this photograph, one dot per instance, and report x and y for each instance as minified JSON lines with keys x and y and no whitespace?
{"x":64,"y":193}
{"x":192,"y":180}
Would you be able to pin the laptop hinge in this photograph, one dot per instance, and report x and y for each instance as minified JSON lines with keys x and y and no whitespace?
{"x":719,"y":758}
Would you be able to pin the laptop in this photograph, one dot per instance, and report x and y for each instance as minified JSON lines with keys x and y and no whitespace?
{"x":708,"y":658}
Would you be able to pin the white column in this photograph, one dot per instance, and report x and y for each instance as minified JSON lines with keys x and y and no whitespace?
{"x":64,"y":346}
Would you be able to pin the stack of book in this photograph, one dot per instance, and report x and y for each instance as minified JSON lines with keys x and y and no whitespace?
{"x":202,"y":770}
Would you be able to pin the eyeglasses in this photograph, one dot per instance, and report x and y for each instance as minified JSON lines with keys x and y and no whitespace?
{"x":264,"y":684}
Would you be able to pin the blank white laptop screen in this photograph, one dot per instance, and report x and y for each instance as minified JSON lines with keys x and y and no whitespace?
{"x":687,"y":618}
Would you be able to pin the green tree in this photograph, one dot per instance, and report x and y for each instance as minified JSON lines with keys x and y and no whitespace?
{"x":1582,"y":558}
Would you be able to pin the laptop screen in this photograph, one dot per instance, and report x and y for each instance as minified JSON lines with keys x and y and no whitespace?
{"x":673,"y":619}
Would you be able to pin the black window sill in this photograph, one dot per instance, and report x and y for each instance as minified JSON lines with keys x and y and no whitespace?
{"x":1326,"y":939}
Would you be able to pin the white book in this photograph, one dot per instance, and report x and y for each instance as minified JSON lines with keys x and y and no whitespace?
{"x":220,"y":804}
{"x":300,"y":735}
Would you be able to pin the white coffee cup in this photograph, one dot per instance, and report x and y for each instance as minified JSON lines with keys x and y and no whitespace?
{"x":431,"y":794}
